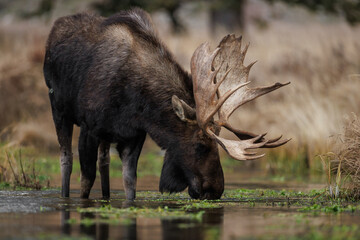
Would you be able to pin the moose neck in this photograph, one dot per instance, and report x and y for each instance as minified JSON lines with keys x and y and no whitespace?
{"x":170,"y":134}
{"x":160,"y":121}
{"x":162,"y":77}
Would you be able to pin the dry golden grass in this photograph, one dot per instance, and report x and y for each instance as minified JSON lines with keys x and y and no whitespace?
{"x":342,"y":164}
{"x":347,"y":154}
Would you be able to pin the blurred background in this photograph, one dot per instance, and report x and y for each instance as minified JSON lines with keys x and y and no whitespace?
{"x":314,"y":44}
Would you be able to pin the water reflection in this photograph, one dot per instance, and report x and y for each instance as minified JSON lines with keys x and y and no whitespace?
{"x":65,"y":226}
{"x":43,"y":215}
{"x":142,"y":228}
{"x":210,"y":227}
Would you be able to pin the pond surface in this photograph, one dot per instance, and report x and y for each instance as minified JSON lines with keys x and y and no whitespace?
{"x":44,"y":215}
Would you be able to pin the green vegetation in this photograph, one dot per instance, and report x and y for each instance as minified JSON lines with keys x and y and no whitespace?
{"x":157,"y":196}
{"x":313,"y":200}
{"x":19,"y":170}
{"x":245,"y":194}
{"x":112,"y":215}
{"x":288,"y":164}
{"x":196,"y":204}
{"x":334,"y":208}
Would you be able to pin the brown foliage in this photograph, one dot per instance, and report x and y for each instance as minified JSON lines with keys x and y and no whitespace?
{"x":348,"y":154}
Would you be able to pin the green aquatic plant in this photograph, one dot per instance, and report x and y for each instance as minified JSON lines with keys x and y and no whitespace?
{"x":333,"y":208}
{"x":196,"y":204}
{"x":107,"y":211}
{"x":263,"y":194}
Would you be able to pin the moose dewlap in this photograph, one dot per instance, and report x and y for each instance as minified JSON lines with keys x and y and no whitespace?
{"x":115,"y":79}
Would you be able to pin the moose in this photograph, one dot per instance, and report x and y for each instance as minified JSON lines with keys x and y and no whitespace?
{"x":117,"y":81}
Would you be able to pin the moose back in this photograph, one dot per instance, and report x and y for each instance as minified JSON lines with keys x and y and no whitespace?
{"x":115,"y":79}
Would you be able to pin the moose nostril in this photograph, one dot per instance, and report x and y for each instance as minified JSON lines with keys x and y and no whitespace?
{"x":206,"y":196}
{"x":194,"y":194}
{"x":209,"y":196}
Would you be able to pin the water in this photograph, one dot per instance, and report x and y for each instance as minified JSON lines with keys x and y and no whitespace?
{"x":44,"y":215}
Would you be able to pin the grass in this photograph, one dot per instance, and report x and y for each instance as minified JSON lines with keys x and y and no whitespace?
{"x":343,"y":163}
{"x":334,"y":208}
{"x":289,"y":164}
{"x":19,"y":170}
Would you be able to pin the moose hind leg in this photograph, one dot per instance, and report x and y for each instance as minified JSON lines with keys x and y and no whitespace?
{"x":104,"y":162}
{"x":88,"y":149}
{"x":129,"y":152}
{"x":64,"y":132}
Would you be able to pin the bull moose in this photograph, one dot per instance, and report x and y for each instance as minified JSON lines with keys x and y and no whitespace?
{"x":115,"y":79}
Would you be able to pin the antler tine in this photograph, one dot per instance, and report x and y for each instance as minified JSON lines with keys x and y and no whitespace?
{"x":274,"y":139}
{"x":238,"y":149}
{"x":243,"y":96}
{"x":243,"y":53}
{"x":244,"y":135}
{"x":203,"y":77}
{"x":205,"y":88}
{"x":228,"y":94}
{"x":276,"y":144}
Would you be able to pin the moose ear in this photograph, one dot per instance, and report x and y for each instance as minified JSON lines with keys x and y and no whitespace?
{"x":183,"y":111}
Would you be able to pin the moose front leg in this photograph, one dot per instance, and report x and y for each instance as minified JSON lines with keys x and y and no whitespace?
{"x":129,"y":152}
{"x":104,"y":162}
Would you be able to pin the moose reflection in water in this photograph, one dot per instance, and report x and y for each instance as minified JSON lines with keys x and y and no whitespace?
{"x":142,"y":228}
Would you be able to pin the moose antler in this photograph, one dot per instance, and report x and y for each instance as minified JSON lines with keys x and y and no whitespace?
{"x":220,"y":82}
